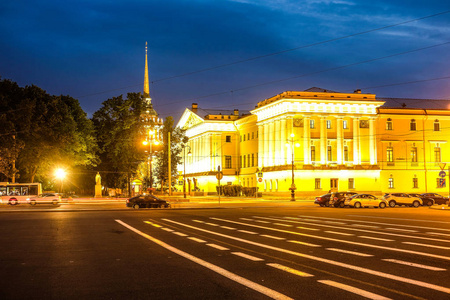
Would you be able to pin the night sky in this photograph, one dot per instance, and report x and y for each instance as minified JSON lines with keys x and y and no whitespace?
{"x":227,"y":54}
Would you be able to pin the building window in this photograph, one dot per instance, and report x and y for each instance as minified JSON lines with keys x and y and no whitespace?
{"x":437,"y":126}
{"x":256,"y":158}
{"x":389,"y":124}
{"x":227,"y":161}
{"x":240,"y":161}
{"x":412,"y":125}
{"x":414,"y":155}
{"x":351,"y":183}
{"x":345,"y":153}
{"x":329,"y":153}
{"x":248,"y":160}
{"x":317,"y":183}
{"x":390,"y":155}
{"x":253,"y":160}
{"x":415,"y":183}
{"x":313,"y":153}
{"x":345,"y":124}
{"x":248,"y":136}
{"x":244,"y":161}
{"x":328,"y":124}
{"x":244,"y":137}
{"x":253,"y":135}
{"x":228,"y":138}
{"x":311,"y":124}
{"x":391,"y":182}
{"x":437,"y":154}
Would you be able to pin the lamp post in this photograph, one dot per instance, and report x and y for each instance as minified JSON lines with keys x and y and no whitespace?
{"x":184,"y":167}
{"x":290,"y":142}
{"x":150,"y":141}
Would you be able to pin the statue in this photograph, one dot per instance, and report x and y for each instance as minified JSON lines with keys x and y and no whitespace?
{"x":98,"y":179}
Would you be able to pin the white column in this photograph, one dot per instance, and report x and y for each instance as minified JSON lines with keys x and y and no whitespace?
{"x":271,"y":143}
{"x":266,"y":145}
{"x":306,"y":141}
{"x":277,"y":142}
{"x":339,"y":141}
{"x":323,"y":141}
{"x":372,"y":142}
{"x":355,"y":141}
{"x":289,"y":131}
{"x":260,"y":146}
{"x":283,"y":139}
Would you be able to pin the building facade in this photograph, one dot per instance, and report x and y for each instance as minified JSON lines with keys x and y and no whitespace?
{"x":319,"y":140}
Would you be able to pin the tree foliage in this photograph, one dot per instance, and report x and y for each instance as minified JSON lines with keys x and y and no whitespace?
{"x":40,"y":132}
{"x":178,"y":141}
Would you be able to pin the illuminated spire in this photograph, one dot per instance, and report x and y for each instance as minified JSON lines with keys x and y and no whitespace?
{"x":146,"y":83}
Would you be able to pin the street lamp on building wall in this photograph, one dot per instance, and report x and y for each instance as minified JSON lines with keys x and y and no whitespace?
{"x":150,"y":141}
{"x":184,"y":171}
{"x":291,"y":143}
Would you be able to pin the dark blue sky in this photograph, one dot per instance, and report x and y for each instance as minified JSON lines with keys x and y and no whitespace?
{"x":93,"y":50}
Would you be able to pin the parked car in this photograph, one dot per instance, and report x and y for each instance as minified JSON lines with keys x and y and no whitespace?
{"x":338,"y":199}
{"x":438,"y":199}
{"x":394,"y":199}
{"x":425,"y":201}
{"x":323,"y":200}
{"x":148,"y":201}
{"x":48,"y":198}
{"x":364,"y":200}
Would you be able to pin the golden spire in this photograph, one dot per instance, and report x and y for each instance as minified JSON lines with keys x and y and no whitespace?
{"x":146,"y":83}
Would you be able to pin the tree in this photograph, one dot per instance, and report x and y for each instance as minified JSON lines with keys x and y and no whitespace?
{"x":119,"y":132}
{"x":178,"y":140}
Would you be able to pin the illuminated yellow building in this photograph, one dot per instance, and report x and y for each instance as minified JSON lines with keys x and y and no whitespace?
{"x":331,"y":141}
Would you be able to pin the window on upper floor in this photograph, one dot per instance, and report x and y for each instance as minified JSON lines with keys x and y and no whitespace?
{"x":311,"y":124}
{"x":253,"y":135}
{"x":227,"y":161}
{"x":437,"y":154}
{"x":413,"y":125}
{"x":437,"y":125}
{"x":344,"y":124}
{"x":228,"y":138}
{"x":414,"y":154}
{"x":390,"y":155}
{"x":389,"y":124}
{"x":328,"y":124}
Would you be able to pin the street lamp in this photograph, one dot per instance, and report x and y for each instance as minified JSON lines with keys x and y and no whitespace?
{"x":184,"y":166}
{"x":60,"y":174}
{"x":150,"y":141}
{"x":290,"y":142}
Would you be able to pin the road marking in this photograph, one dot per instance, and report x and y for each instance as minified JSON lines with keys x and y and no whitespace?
{"x":167,"y":229}
{"x":196,"y":240}
{"x":153,"y":224}
{"x":341,"y":233}
{"x":273,"y":237}
{"x":414,"y":265}
{"x":437,"y":233}
{"x":366,"y":226}
{"x":290,"y":270}
{"x":306,"y":228}
{"x":241,"y":280}
{"x":334,"y":222}
{"x":217,"y":247}
{"x":324,"y":260}
{"x":246,"y":231}
{"x":212,"y":224}
{"x":303,"y":243}
{"x":226,"y":227}
{"x":374,"y":238}
{"x":336,"y":240}
{"x":401,"y":229}
{"x":368,"y":231}
{"x":259,"y":221}
{"x":179,"y":233}
{"x":198,"y":221}
{"x":247,"y":256}
{"x":381,"y":223}
{"x":427,"y":245}
{"x":428,"y":221}
{"x":245,"y":219}
{"x":353,"y":290}
{"x":349,"y":252}
{"x":280,"y":224}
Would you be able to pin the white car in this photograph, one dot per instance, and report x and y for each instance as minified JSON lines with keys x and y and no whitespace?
{"x":49,"y":198}
{"x":364,"y":200}
{"x":402,"y":199}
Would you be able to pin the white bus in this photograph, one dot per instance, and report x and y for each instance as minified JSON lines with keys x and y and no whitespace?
{"x":15,"y":193}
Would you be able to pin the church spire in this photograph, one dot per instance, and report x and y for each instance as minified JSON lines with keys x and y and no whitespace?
{"x":146,"y":83}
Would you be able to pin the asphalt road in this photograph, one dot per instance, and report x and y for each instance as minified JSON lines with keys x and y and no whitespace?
{"x":233,"y":251}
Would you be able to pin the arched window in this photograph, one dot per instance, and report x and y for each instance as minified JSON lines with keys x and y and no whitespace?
{"x":412,"y":125}
{"x":437,"y":125}
{"x":389,"y":124}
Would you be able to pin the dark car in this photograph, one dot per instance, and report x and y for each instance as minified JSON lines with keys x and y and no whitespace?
{"x":338,"y":199}
{"x":323,"y":200}
{"x":148,"y":201}
{"x":438,"y":199}
{"x":426,"y":201}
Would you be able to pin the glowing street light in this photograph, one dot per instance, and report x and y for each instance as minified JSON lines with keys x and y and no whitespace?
{"x":290,"y":142}
{"x":184,"y":171}
{"x":150,"y":141}
{"x":60,"y":174}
